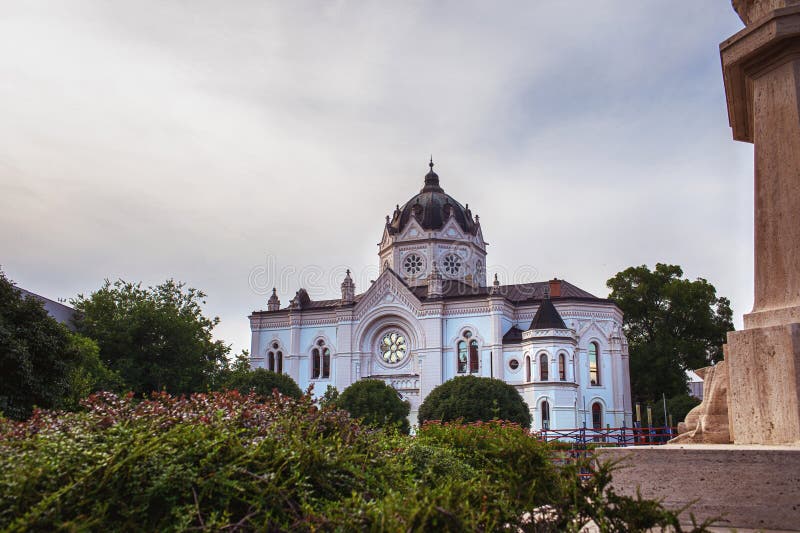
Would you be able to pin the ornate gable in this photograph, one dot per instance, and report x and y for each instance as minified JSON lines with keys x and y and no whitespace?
{"x":412,"y":231}
{"x":451,"y":230}
{"x":387,"y":289}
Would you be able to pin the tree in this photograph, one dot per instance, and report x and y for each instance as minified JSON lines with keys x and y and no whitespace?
{"x":88,"y":374}
{"x":155,"y":338}
{"x":262,"y":382}
{"x":376,"y":403}
{"x":472,"y":399}
{"x":35,"y":355}
{"x":672,"y":325}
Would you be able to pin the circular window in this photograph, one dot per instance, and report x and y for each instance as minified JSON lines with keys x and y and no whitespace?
{"x":413,"y":265}
{"x":514,"y":364}
{"x":452,"y":264}
{"x":393,"y":347}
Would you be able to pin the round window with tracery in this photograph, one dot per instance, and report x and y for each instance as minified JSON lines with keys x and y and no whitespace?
{"x":393,"y":347}
{"x":451,"y":264}
{"x":413,"y":265}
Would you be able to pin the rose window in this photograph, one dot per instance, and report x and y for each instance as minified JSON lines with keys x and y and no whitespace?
{"x":393,"y":347}
{"x":451,"y":264}
{"x":413,"y":264}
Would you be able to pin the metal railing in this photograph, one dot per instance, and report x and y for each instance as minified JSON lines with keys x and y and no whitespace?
{"x":608,"y":436}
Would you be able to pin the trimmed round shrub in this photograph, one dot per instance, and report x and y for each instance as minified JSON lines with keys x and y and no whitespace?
{"x":263,"y":382}
{"x":474,"y":399}
{"x":376,"y":403}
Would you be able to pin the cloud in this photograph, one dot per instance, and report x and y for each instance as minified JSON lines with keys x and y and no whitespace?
{"x":191,"y":140}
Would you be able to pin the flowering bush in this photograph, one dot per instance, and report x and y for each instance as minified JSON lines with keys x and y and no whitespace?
{"x":231,"y":461}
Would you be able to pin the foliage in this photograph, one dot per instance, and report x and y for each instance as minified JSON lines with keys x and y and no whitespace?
{"x":228,"y":461}
{"x":329,"y":397}
{"x":155,"y":338}
{"x":263,"y":383}
{"x":88,"y":374}
{"x":672,"y":325}
{"x":470,"y":398}
{"x":677,"y":406}
{"x":376,"y":404}
{"x":35,"y":354}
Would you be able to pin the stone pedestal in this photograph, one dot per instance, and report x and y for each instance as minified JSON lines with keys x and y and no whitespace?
{"x":764,"y":384}
{"x":753,"y":487}
{"x":761,"y":68}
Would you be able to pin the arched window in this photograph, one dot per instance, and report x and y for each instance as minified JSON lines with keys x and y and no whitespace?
{"x":527,"y":368}
{"x":544,"y":372}
{"x":462,"y":357}
{"x":473,"y":357}
{"x":467,"y":358}
{"x":545,"y":414}
{"x":320,"y":361}
{"x":275,"y":359}
{"x":594,"y":364}
{"x":597,"y":415}
{"x":562,"y":367}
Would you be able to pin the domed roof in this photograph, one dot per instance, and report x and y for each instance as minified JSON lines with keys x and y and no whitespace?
{"x":432,"y":207}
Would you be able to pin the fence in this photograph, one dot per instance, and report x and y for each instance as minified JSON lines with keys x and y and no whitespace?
{"x":582,"y":438}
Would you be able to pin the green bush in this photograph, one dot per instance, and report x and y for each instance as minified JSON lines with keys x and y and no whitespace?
{"x":228,"y":461}
{"x":262,"y":382}
{"x":376,"y":404}
{"x":471,"y":399}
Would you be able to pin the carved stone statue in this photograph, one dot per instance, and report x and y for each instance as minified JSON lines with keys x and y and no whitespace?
{"x":708,"y":422}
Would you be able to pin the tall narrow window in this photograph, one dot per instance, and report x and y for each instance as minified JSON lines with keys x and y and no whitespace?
{"x":562,"y":367}
{"x":594,"y":364}
{"x":462,"y":357}
{"x":545,"y":414}
{"x":326,"y":363}
{"x":275,"y":358}
{"x":321,"y":361}
{"x":473,"y":357}
{"x":527,"y":368}
{"x":544,"y":372}
{"x":597,"y":415}
{"x":315,"y":368}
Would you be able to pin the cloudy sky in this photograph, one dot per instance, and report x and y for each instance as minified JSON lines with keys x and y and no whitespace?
{"x":241,"y":145}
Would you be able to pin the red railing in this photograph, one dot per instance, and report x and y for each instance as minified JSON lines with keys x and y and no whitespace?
{"x":590,"y":437}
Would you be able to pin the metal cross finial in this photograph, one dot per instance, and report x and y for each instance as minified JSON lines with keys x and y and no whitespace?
{"x":431,"y":163}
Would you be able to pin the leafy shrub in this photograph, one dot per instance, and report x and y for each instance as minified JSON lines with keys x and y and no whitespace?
{"x":228,"y":461}
{"x":471,"y":399}
{"x":376,"y":404}
{"x":36,"y":357}
{"x":263,"y":382}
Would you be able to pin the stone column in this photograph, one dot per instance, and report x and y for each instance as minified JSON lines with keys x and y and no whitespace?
{"x":761,"y":68}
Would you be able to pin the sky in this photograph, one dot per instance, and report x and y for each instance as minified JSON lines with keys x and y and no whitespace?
{"x":238,"y":146}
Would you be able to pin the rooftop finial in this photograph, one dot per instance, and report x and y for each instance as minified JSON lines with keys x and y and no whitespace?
{"x":431,"y":180}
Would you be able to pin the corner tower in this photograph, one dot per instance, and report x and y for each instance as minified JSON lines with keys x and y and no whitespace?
{"x":432,"y":227}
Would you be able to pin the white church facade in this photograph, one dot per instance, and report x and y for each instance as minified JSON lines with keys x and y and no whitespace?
{"x":431,"y":316}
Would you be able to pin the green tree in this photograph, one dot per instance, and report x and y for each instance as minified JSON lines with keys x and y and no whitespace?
{"x":376,"y":403}
{"x":672,"y":325}
{"x":88,"y":374}
{"x":156,"y":338}
{"x":262,"y":382}
{"x":35,"y":355}
{"x":472,"y":399}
